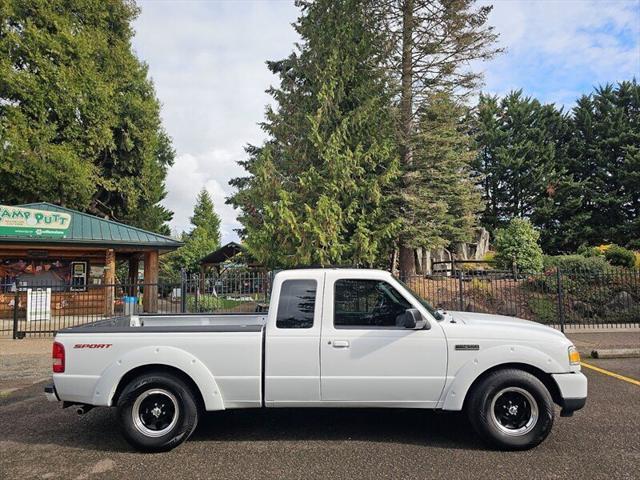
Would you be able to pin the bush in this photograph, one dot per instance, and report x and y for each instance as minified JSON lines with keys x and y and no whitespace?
{"x":517,"y":244}
{"x":543,"y":309}
{"x":210,"y":303}
{"x":576,"y":263}
{"x":620,"y":256}
{"x":587,"y":251}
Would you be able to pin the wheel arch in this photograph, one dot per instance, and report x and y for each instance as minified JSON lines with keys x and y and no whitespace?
{"x":162,"y":359}
{"x":525,"y":358}
{"x":159,"y":369}
{"x":541,"y":375}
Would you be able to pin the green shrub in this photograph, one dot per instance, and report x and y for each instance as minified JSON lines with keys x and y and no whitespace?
{"x":544,"y":309}
{"x":210,"y":303}
{"x":588,"y":252}
{"x":576,"y":263}
{"x":517,"y":244}
{"x":620,"y":257}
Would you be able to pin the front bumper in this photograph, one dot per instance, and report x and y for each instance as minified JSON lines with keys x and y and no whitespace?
{"x":573,"y":391}
{"x":50,"y":393}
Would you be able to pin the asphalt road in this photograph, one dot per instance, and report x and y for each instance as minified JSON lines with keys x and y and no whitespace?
{"x":39,"y":440}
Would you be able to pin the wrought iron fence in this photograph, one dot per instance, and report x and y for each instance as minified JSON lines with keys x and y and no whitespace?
{"x":46,"y":308}
{"x":578,"y":299}
{"x":556,"y":298}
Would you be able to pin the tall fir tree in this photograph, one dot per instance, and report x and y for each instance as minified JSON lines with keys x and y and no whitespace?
{"x":318,"y":188}
{"x":604,"y":166}
{"x":79,"y":120}
{"x":522,"y":148}
{"x":431,"y":43}
{"x":439,"y":186}
{"x":203,"y":238}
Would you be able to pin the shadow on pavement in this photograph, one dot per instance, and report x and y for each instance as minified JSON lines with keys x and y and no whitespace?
{"x":29,"y":418}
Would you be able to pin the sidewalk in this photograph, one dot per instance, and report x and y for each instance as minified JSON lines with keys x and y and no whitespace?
{"x":587,"y":342}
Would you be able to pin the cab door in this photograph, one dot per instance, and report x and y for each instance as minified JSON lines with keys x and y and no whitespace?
{"x":292,"y":342}
{"x":366,"y":359}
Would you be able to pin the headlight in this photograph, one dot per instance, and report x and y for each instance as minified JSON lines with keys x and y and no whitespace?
{"x":574,"y":356}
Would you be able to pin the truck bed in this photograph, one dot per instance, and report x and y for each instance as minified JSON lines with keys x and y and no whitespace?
{"x":183,"y":322}
{"x":221,"y":352}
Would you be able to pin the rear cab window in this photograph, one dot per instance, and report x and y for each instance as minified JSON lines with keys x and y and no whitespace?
{"x":297,"y":304}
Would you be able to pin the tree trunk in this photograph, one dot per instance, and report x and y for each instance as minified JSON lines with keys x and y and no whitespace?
{"x":407,"y":257}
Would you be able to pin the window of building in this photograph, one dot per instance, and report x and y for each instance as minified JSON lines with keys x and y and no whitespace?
{"x":78,"y":276}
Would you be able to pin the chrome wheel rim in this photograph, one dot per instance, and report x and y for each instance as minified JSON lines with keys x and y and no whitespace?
{"x":514,"y":411}
{"x":155,"y":412}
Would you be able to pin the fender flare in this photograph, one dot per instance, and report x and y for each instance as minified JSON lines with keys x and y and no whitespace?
{"x":159,"y":355}
{"x":455,"y":392}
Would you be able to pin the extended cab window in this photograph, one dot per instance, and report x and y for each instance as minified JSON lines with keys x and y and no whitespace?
{"x":297,"y":303}
{"x":367,"y":304}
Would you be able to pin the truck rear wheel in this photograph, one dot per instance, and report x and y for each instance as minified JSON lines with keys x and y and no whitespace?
{"x":511,"y":409}
{"x":157,"y":412}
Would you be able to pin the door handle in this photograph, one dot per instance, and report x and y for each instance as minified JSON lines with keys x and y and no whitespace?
{"x":341,"y":344}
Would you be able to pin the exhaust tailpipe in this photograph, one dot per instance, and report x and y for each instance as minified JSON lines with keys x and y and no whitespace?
{"x":82,"y":409}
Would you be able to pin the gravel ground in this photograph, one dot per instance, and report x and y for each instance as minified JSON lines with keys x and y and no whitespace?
{"x":40,"y":440}
{"x":23,"y":363}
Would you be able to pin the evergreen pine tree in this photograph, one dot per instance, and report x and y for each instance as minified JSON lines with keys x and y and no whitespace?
{"x":604,"y":165}
{"x":203,"y":238}
{"x":440,"y":189}
{"x":317,"y":190}
{"x":522,"y":148}
{"x":430,"y":45}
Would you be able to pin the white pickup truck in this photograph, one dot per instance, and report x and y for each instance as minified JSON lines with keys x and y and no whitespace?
{"x":331,"y":338}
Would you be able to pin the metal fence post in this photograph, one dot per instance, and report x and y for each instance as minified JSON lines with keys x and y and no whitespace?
{"x":16,"y":300}
{"x":183,"y":291}
{"x":560,"y":299}
{"x":461,"y":293}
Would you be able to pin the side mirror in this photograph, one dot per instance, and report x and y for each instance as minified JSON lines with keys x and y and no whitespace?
{"x":413,"y":319}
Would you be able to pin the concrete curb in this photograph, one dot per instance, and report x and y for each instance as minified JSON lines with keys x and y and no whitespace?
{"x":615,"y":353}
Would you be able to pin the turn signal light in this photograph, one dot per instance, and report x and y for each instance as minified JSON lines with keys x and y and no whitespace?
{"x":574,"y":356}
{"x":58,"y":357}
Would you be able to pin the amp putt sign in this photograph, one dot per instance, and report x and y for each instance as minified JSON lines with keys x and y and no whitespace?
{"x":29,"y":222}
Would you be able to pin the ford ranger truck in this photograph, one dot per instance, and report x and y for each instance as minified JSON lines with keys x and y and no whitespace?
{"x":331,"y":338}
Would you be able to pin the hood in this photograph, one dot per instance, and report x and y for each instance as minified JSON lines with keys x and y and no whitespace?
{"x":491,"y":320}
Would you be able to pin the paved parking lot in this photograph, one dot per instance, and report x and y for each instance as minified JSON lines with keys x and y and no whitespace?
{"x":39,"y":440}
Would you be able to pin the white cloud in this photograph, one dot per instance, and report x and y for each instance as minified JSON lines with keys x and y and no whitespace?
{"x":191,"y":173}
{"x":207,"y":61}
{"x":559,"y":49}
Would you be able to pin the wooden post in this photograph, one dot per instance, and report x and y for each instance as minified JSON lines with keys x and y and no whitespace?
{"x":150,"y":297}
{"x":109,"y":280}
{"x":134,"y":266}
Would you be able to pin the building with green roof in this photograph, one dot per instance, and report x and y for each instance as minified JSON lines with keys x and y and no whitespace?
{"x":75,"y":254}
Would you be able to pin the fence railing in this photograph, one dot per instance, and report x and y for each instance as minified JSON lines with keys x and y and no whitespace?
{"x":556,"y":298}
{"x":46,"y":308}
{"x":580,"y":299}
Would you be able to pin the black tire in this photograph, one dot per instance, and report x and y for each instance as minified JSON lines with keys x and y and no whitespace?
{"x":491,"y":403}
{"x":157,"y":412}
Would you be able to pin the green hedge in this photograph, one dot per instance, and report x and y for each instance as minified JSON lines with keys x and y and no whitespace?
{"x":620,"y":257}
{"x":576,"y":263}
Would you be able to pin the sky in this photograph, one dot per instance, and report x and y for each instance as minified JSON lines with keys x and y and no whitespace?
{"x":207,"y":61}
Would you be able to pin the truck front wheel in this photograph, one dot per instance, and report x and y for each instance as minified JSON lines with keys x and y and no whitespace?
{"x":157,"y":412}
{"x":511,"y":409}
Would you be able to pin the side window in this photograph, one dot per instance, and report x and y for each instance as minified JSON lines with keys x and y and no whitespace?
{"x":367,"y":304}
{"x":297,"y":304}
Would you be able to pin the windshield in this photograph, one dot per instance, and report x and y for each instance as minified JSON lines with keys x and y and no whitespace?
{"x":436,"y":314}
